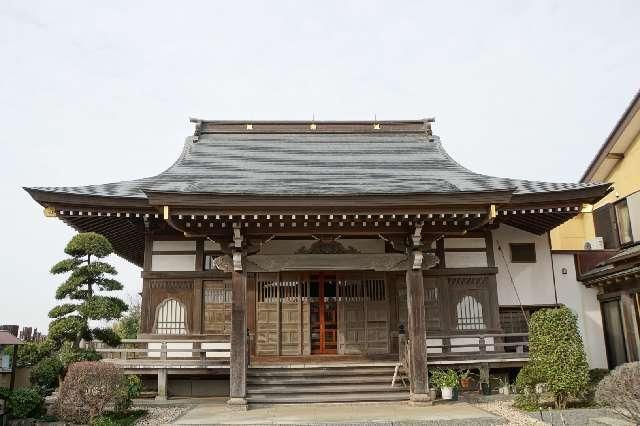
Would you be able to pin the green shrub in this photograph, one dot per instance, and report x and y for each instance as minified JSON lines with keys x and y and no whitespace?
{"x":4,"y":393}
{"x":25,"y":403}
{"x":68,"y":354}
{"x":527,"y":379}
{"x":31,"y":353}
{"x":556,"y":354}
{"x":46,"y":373}
{"x":129,"y":388}
{"x":527,"y":401}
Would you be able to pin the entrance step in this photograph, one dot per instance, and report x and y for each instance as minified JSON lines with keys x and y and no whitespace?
{"x":272,"y":385}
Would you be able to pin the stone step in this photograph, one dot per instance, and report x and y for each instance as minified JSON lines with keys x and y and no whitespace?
{"x":326,"y":398}
{"x":323,"y":389}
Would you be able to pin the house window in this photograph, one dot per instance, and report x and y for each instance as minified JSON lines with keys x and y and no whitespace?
{"x":469,"y":314}
{"x":170,"y":318}
{"x":623,"y":221}
{"x":523,"y":252}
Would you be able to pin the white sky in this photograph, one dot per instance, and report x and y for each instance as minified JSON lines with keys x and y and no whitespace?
{"x":92,"y":92}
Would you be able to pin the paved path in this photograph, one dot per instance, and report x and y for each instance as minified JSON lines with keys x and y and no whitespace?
{"x":459,"y":413}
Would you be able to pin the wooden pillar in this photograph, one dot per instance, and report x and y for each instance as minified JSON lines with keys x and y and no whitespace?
{"x":417,"y":337}
{"x":630,"y":327}
{"x":238,"y":361}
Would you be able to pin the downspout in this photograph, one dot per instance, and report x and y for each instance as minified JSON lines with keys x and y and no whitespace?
{"x":553,"y":268}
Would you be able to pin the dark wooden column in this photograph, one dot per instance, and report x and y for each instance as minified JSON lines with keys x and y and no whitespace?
{"x":417,"y":337}
{"x":630,"y":327}
{"x":238,"y":361}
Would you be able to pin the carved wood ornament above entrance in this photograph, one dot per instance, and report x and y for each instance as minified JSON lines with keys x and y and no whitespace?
{"x":327,"y":247}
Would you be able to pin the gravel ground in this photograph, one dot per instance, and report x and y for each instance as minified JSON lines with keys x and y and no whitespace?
{"x":574,"y":416}
{"x":161,"y":415}
{"x":505,"y":409}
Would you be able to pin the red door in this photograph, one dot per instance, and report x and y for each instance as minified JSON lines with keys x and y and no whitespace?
{"x":324,"y":313}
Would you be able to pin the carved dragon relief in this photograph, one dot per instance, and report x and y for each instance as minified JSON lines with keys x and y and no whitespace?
{"x":327,"y":247}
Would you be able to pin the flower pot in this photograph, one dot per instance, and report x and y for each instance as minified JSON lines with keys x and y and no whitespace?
{"x":447,"y":393}
{"x":466,"y":383}
{"x":505,"y":390}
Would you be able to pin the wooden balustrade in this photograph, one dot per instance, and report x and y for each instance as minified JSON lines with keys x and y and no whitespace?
{"x":478,"y":345}
{"x":148,"y":349}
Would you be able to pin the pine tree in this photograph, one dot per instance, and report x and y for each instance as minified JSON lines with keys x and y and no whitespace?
{"x":88,"y":276}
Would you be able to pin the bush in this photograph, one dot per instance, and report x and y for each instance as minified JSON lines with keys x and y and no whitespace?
{"x":557,"y":355}
{"x":68,"y":354}
{"x":46,"y":373}
{"x":620,"y":390}
{"x":130,"y":388}
{"x":25,"y":403}
{"x":87,"y":388}
{"x":31,"y":353}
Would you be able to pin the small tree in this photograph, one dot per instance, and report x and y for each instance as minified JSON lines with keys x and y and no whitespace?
{"x":128,"y":326}
{"x":71,"y":320}
{"x":556,"y":353}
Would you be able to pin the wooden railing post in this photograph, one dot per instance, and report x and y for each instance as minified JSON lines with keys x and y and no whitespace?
{"x":163,"y":351}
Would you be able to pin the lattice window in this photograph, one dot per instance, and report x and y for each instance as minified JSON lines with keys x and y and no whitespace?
{"x":289,"y":291}
{"x":350,"y":290}
{"x":513,"y":321}
{"x":469,"y":314}
{"x":267,"y":289}
{"x":432,"y":306}
{"x":375,"y":289}
{"x":218,"y":292}
{"x":170,"y":318}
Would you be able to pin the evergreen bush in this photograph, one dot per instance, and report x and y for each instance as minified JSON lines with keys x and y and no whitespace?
{"x":68,"y":354}
{"x":25,"y":403}
{"x":556,"y":354}
{"x":46,"y":373}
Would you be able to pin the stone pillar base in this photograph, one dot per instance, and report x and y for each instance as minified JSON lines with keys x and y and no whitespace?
{"x":237,"y":404}
{"x":417,"y":399}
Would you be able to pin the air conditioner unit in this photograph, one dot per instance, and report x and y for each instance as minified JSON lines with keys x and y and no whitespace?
{"x":595,"y":244}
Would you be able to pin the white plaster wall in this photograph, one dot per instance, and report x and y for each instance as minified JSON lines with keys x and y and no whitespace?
{"x":467,"y":259}
{"x":173,"y":262}
{"x":464,"y":243}
{"x":174,"y":246}
{"x":584,"y":303}
{"x":533,"y":281}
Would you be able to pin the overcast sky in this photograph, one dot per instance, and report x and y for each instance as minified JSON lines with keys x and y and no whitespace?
{"x":94,"y":92}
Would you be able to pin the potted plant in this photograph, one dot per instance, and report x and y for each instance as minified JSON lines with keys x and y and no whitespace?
{"x":503,"y":386}
{"x":447,"y":381}
{"x":465,"y":379}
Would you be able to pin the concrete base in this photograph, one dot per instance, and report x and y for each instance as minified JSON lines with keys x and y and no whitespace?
{"x":238,"y":404}
{"x":420,"y":399}
{"x":358,"y":413}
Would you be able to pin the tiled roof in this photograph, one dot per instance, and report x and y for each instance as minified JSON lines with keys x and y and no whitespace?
{"x":316,"y":165}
